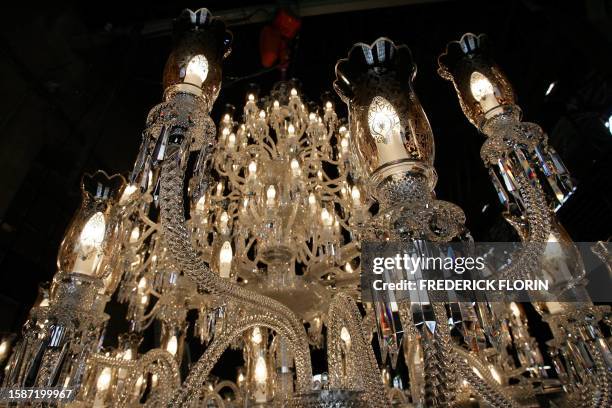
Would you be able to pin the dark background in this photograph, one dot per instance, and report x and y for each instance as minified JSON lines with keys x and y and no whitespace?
{"x":78,"y":79}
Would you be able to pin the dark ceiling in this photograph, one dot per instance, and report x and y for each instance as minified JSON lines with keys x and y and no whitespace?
{"x":78,"y":80}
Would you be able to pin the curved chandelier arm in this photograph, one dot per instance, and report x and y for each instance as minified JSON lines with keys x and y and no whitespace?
{"x":362,"y":366}
{"x":177,"y":237}
{"x":485,"y":387}
{"x":199,"y":373}
{"x":526,"y":261}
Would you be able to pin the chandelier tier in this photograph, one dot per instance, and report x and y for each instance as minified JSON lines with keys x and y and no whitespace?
{"x":247,"y":235}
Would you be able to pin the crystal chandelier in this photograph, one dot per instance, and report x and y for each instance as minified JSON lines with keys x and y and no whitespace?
{"x":255,"y":226}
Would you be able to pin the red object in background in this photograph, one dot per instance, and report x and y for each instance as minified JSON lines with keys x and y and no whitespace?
{"x":274,"y":38}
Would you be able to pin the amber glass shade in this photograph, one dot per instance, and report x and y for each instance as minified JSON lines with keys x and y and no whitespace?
{"x":390,"y":129}
{"x":201,"y":42}
{"x":482,"y":88}
{"x":91,"y":240}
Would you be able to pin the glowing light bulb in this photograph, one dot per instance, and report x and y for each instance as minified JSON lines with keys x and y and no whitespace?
{"x":89,"y":248}
{"x":251,"y":97}
{"x":262,"y":114}
{"x":197,"y":70}
{"x":293,"y":92}
{"x":276,"y":105}
{"x":142,"y":284}
{"x":345,"y":336}
{"x":483,"y":91}
{"x":348,"y":268}
{"x":271,"y":195}
{"x":344,"y":144}
{"x":256,"y":336}
{"x":4,"y":348}
{"x":291,"y":130}
{"x":261,"y":370}
{"x":126,"y":196}
{"x":226,"y":118}
{"x":144,"y":299}
{"x":225,"y":259}
{"x":356,"y":195}
{"x":240,"y":379}
{"x":172,"y":346}
{"x":295,"y":167}
{"x":135,"y":234}
{"x":312,"y":201}
{"x":252,"y":168}
{"x":312,"y":117}
{"x":326,"y":218}
{"x":127,"y":355}
{"x":383,"y":120}
{"x":92,"y":234}
{"x":201,"y":204}
{"x":328,"y":105}
{"x":219,"y":188}
{"x":104,"y":379}
{"x":231,"y":140}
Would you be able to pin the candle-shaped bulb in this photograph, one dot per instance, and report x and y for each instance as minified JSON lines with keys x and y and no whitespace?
{"x":348,"y":268}
{"x":92,"y":234}
{"x":312,"y":116}
{"x":262,"y":114}
{"x":225,"y":259}
{"x":295,"y":167}
{"x":271,"y":195}
{"x":219,"y":188}
{"x":312,"y":200}
{"x":516,"y":311}
{"x":261,"y":370}
{"x":251,"y":97}
{"x":197,"y":70}
{"x":142,"y":284}
{"x":201,"y":204}
{"x":256,"y":336}
{"x":326,"y":218}
{"x":275,"y":105}
{"x":328,"y":105}
{"x":104,"y":379}
{"x":483,"y":91}
{"x":356,"y":195}
{"x":291,"y":130}
{"x":293,"y":92}
{"x":135,"y":234}
{"x":231,"y":140}
{"x":126,"y":196}
{"x":252,"y":168}
{"x":344,"y":144}
{"x":172,"y":346}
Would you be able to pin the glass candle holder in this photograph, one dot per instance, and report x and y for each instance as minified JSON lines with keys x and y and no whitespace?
{"x":92,"y":236}
{"x":390,"y":131}
{"x":482,"y":88}
{"x":201,"y":43}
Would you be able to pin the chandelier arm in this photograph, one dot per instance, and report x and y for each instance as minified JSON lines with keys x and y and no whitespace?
{"x":526,"y":261}
{"x":363,"y":369}
{"x":177,"y":237}
{"x":485,"y":387}
{"x":190,"y":388}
